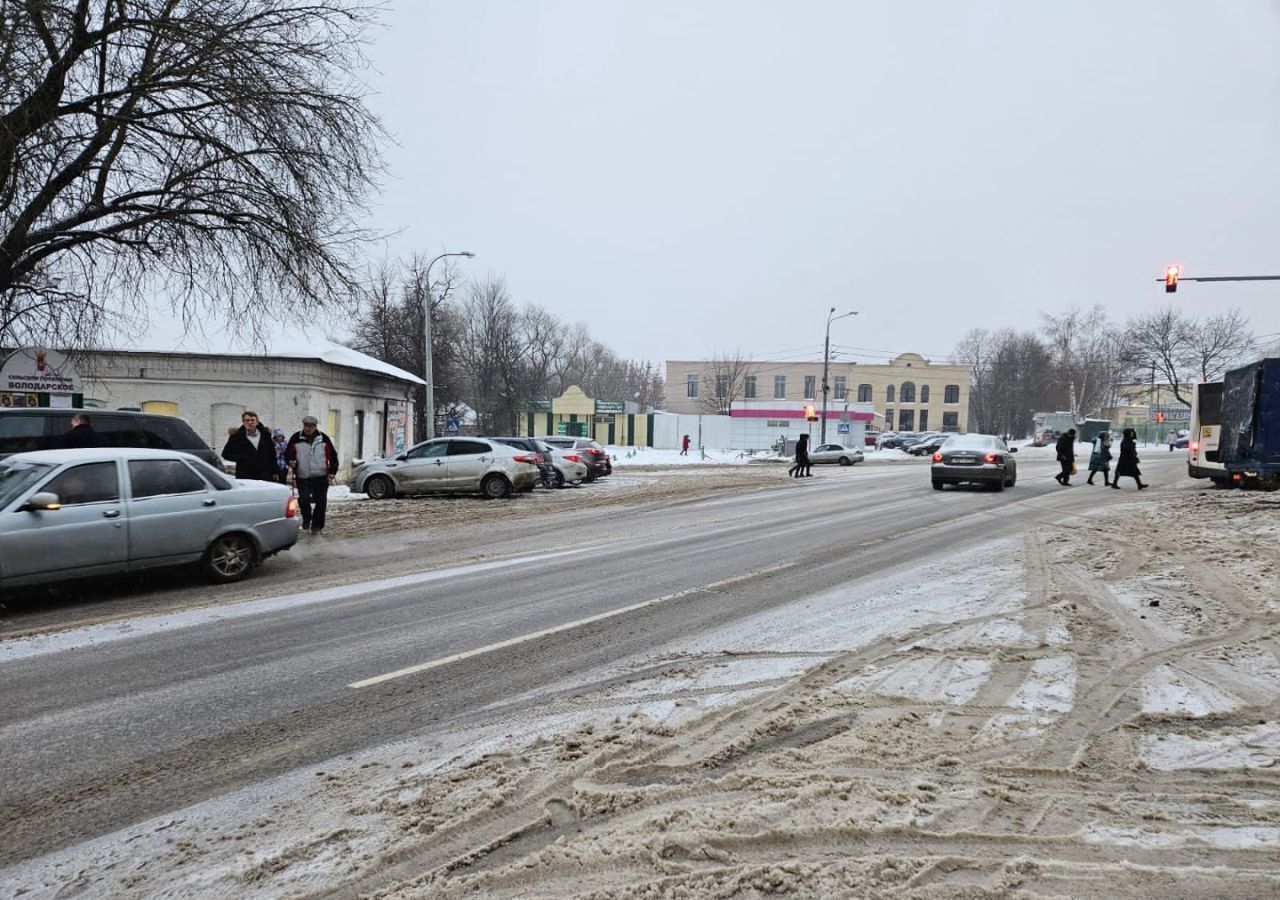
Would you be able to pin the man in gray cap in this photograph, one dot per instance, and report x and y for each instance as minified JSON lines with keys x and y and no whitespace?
{"x":314,"y":461}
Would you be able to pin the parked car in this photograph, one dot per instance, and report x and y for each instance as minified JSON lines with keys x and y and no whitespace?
{"x":928,"y":445}
{"x":569,"y":465}
{"x":895,"y":440}
{"x":593,"y":454}
{"x":871,"y":439}
{"x":835,"y":453}
{"x":449,"y":465}
{"x":546,"y":469}
{"x":25,"y":430}
{"x":976,"y":459}
{"x":71,"y":514}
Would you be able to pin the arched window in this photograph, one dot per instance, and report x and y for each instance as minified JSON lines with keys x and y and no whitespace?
{"x":888,"y":394}
{"x":908,"y":392}
{"x":924,"y":393}
{"x":951,"y":393}
{"x":864,"y":393}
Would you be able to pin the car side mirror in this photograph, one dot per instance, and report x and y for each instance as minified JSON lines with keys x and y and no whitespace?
{"x":45,"y":500}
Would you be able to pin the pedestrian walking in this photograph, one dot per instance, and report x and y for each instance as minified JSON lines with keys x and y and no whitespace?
{"x":314,"y":461}
{"x":684,"y":446}
{"x":1100,"y":459}
{"x":1066,"y":448}
{"x":250,"y":448}
{"x":802,"y":464}
{"x":1127,"y":465}
{"x":1173,"y":440}
{"x":80,"y":435}
{"x":280,"y":444}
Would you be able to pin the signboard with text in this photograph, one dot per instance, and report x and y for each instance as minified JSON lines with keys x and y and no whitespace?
{"x":611,"y":406}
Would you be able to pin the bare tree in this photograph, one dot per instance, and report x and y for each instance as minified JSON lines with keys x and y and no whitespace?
{"x":1219,"y":343}
{"x":725,"y":382}
{"x":1083,"y":344}
{"x":214,"y":148}
{"x":1182,"y":350}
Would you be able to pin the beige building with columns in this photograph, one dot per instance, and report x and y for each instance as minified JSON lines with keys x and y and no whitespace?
{"x":909,"y":393}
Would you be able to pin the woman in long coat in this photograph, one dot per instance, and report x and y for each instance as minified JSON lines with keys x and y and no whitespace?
{"x":1100,"y":459}
{"x":1128,"y":464}
{"x":802,"y":458}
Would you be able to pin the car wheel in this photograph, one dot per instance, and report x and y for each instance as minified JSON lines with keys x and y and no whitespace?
{"x":380,"y":487}
{"x":937,"y":485}
{"x":591,"y":476}
{"x":228,"y":559}
{"x":559,"y":479}
{"x":1013,"y":479}
{"x":998,"y":485}
{"x":845,"y":461}
{"x":495,"y":487}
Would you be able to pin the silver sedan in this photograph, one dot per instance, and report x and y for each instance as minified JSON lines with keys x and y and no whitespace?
{"x":835,"y":453}
{"x":69,"y":514}
{"x":449,"y":465}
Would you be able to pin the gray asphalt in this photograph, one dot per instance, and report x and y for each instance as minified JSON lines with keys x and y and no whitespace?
{"x":102,"y":736}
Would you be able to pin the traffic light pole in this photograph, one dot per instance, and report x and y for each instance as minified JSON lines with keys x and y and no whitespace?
{"x":1227,"y":278}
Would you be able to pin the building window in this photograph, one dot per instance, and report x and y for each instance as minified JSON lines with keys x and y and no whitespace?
{"x":722,"y":386}
{"x":691,"y":386}
{"x":951,"y":393}
{"x":888,"y":394}
{"x":888,"y":420}
{"x":779,"y":387}
{"x":749,"y":387}
{"x":841,"y":387}
{"x":951,"y":421}
{"x":924,"y":393}
{"x":924,"y":420}
{"x":864,"y":393}
{"x":810,"y":383}
{"x":908,"y":392}
{"x":907,"y":420}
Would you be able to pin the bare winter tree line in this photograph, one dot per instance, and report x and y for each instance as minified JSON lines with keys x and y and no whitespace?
{"x":1083,"y":362}
{"x":489,"y":354}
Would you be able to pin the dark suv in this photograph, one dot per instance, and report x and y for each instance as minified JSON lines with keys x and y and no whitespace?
{"x":42,"y":428}
{"x":593,"y":454}
{"x":546,"y":471}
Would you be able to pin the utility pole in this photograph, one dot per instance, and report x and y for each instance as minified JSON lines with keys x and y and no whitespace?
{"x":429,"y":407}
{"x":1151,"y":402}
{"x":826,"y":365}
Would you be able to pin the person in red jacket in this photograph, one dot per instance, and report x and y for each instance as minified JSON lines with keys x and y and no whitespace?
{"x":684,"y":446}
{"x":314,"y":461}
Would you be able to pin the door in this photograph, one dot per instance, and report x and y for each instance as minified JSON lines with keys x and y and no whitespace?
{"x":424,"y":470}
{"x":172,"y":512}
{"x":468,"y":461}
{"x":87,"y":536}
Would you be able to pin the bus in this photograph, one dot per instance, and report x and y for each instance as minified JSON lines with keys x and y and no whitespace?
{"x":1206,"y":431}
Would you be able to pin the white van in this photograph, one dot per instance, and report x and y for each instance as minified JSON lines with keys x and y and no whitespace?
{"x":1206,"y":429}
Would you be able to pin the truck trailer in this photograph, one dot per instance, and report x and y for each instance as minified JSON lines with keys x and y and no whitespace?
{"x":1249,"y":443}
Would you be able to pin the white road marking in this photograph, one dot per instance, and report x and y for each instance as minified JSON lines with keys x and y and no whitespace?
{"x":568,"y":626}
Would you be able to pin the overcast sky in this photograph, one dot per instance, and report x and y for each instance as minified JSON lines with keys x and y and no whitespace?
{"x":696,"y":177}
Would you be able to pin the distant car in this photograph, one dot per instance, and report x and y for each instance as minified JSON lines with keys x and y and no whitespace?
{"x":976,"y":459}
{"x":927,"y":446}
{"x":449,"y":465}
{"x":871,"y":439}
{"x":568,"y":464}
{"x":593,"y":454}
{"x":895,"y":440}
{"x":1182,"y":443}
{"x":835,"y":453}
{"x":72,"y":514}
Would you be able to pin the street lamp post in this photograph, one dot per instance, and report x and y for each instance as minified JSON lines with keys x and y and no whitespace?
{"x":826,"y":364}
{"x":429,"y":411}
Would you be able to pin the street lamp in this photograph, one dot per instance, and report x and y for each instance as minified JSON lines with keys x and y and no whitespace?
{"x":429,"y":412}
{"x":826,"y":363}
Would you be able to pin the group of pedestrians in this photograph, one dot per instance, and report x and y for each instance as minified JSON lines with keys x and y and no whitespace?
{"x":1100,"y":459}
{"x":802,"y":468}
{"x":308,"y":457}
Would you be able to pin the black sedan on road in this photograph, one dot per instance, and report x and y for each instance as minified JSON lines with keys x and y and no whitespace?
{"x":976,"y":459}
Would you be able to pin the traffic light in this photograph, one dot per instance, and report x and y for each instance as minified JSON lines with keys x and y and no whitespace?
{"x":810,"y":413}
{"x":1159,"y":418}
{"x":1171,"y":279}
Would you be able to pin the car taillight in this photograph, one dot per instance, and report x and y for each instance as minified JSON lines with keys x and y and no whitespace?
{"x":291,"y":508}
{"x":991,"y":457}
{"x":937,"y":457}
{"x":573,"y":459}
{"x":526,"y":458}
{"x":594,"y":452}
{"x":1195,"y":446}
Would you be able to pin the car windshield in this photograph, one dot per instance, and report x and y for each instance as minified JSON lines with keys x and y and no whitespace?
{"x":968,"y":442}
{"x":17,"y":476}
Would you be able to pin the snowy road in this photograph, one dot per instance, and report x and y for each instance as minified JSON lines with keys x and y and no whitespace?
{"x":118,"y":723}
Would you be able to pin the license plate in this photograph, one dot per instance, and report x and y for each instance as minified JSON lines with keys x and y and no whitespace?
{"x":963,"y":460}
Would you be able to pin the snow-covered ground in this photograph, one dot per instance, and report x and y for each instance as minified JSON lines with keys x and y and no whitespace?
{"x":1083,"y":712}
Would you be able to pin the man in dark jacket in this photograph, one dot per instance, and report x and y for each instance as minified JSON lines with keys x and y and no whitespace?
{"x":314,"y":461}
{"x":1066,"y":448}
{"x":81,"y":434}
{"x":250,"y":448}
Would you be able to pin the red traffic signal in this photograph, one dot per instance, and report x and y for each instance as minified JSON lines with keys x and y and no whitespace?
{"x":1159,"y":418}
{"x":810,"y":413}
{"x":1171,"y":279}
